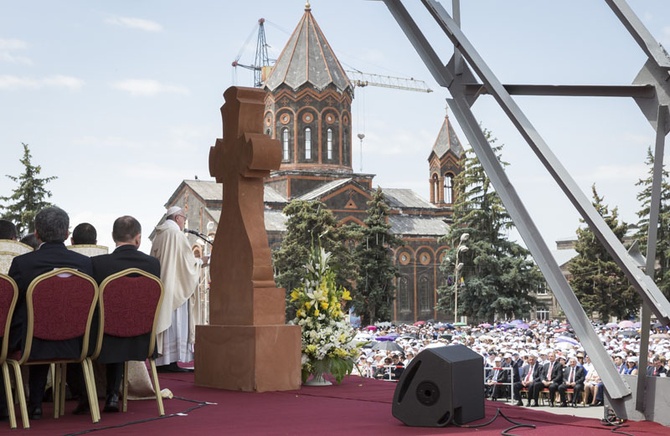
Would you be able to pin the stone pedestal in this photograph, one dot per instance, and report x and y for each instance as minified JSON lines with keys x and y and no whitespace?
{"x":248,"y":358}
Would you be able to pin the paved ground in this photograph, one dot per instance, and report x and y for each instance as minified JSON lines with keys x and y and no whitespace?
{"x":581,"y":411}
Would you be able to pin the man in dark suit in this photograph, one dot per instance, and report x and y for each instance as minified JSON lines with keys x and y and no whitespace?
{"x":656,"y":368}
{"x":497,"y":379}
{"x":51,"y":229}
{"x":127,"y":235}
{"x":552,"y":377}
{"x":573,"y":378}
{"x":530,"y":375}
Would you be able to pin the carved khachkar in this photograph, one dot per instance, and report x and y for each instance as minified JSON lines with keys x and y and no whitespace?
{"x":247,"y":345}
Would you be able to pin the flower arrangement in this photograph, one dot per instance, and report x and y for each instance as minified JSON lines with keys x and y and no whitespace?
{"x":327,"y":339}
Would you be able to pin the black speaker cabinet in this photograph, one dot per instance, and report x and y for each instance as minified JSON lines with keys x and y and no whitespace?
{"x":440,"y":385}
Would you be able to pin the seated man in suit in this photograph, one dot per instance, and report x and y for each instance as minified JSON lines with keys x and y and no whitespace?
{"x":573,"y":378}
{"x":51,"y":229}
{"x":552,"y":377}
{"x":127,"y":235}
{"x":656,"y":368}
{"x":498,"y":376}
{"x":8,"y":230}
{"x":530,"y":375}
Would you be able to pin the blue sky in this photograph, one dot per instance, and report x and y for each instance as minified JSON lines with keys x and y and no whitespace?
{"x":120,"y":99}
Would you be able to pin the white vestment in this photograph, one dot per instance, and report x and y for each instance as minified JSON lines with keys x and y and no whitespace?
{"x":180,"y":271}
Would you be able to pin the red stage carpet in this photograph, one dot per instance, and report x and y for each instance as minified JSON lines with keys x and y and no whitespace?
{"x":357,"y":406}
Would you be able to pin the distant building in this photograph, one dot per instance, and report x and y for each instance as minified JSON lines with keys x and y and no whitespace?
{"x":308,"y":109}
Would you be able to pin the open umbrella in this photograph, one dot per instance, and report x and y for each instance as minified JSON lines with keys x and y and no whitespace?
{"x":460,"y":324}
{"x":521,"y":326}
{"x":625,"y":324}
{"x":611,"y":325}
{"x":372,"y":328}
{"x":419,"y":323}
{"x":387,"y":346}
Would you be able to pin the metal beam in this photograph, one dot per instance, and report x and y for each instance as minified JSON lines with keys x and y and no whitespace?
{"x":637,"y":91}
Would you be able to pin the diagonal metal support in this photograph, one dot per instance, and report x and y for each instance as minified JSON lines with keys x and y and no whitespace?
{"x":464,"y":90}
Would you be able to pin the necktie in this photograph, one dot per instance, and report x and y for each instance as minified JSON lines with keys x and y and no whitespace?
{"x":551,"y":366}
{"x":495,"y":375}
{"x":530,"y":372}
{"x":571,"y":379}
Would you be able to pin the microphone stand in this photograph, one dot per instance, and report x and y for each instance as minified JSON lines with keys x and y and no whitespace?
{"x":201,"y":236}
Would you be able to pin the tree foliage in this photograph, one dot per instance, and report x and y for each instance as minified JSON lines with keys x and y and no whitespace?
{"x":375,"y":290}
{"x":29,"y":197}
{"x":498,"y":275}
{"x":311,"y":225}
{"x":662,"y":273}
{"x":598,"y":282}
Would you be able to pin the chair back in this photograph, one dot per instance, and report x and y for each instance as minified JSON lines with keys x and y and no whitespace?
{"x":89,"y":250}
{"x":9,"y":249}
{"x":60,"y":306}
{"x":129,"y":304}
{"x":9,"y":294}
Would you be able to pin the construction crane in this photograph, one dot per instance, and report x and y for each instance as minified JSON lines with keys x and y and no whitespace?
{"x":261,"y":60}
{"x":361,"y":79}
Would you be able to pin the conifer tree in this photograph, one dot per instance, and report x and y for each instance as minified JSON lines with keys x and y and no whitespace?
{"x":29,"y":197}
{"x":662,"y":273}
{"x":598,"y":282}
{"x":311,"y":225}
{"x":375,"y":290}
{"x":498,"y":275}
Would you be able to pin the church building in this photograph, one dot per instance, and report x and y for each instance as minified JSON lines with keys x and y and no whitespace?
{"x":308,"y":109}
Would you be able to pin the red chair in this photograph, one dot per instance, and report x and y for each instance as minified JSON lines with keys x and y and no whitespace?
{"x":60,"y":307}
{"x":9,"y":294}
{"x":129,"y":304}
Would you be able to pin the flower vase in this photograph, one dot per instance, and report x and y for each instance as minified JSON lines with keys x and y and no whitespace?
{"x":320,"y":367}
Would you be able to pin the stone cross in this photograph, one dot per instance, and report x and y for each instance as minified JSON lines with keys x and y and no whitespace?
{"x":247,"y":345}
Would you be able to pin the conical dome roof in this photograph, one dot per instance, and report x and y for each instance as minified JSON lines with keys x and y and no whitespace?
{"x":308,"y":58}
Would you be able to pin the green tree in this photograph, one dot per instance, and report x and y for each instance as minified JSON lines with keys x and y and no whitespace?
{"x":312,"y":225}
{"x":375,"y":290}
{"x":596,"y":279}
{"x":497,"y":275}
{"x":29,"y":197}
{"x":662,"y":273}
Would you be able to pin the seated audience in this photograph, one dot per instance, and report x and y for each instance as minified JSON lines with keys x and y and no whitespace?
{"x":573,"y":378}
{"x":51,"y":229}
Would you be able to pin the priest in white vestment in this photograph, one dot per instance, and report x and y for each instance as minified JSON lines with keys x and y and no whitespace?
{"x":180,"y":271}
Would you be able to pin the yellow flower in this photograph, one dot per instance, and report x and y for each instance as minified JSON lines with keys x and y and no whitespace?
{"x":346,"y":295}
{"x":324,"y":305}
{"x":316,"y":312}
{"x":295,"y":295}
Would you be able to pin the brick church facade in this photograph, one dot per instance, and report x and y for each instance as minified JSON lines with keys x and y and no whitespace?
{"x":308,"y":109}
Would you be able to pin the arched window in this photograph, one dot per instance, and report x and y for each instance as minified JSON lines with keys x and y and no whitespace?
{"x":284,"y":140}
{"x":329,"y":142}
{"x":403,"y":295}
{"x":308,"y":143}
{"x":449,"y":188}
{"x":424,"y":295}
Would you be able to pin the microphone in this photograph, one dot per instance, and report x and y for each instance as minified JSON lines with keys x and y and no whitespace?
{"x":193,"y":232}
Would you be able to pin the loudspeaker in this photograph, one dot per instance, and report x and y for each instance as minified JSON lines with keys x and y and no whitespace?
{"x":439,"y":385}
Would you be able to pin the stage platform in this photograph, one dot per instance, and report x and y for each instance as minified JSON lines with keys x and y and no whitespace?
{"x":357,"y":406}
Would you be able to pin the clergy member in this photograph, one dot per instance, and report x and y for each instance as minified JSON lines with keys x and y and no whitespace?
{"x":180,"y":271}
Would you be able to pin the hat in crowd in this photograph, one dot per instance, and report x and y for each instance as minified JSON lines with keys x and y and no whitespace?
{"x":497,"y":359}
{"x":509,"y":356}
{"x":173,"y":210}
{"x":632,"y":359}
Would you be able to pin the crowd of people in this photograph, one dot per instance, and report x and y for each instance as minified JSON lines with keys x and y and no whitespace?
{"x":520,"y":360}
{"x":171,"y":259}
